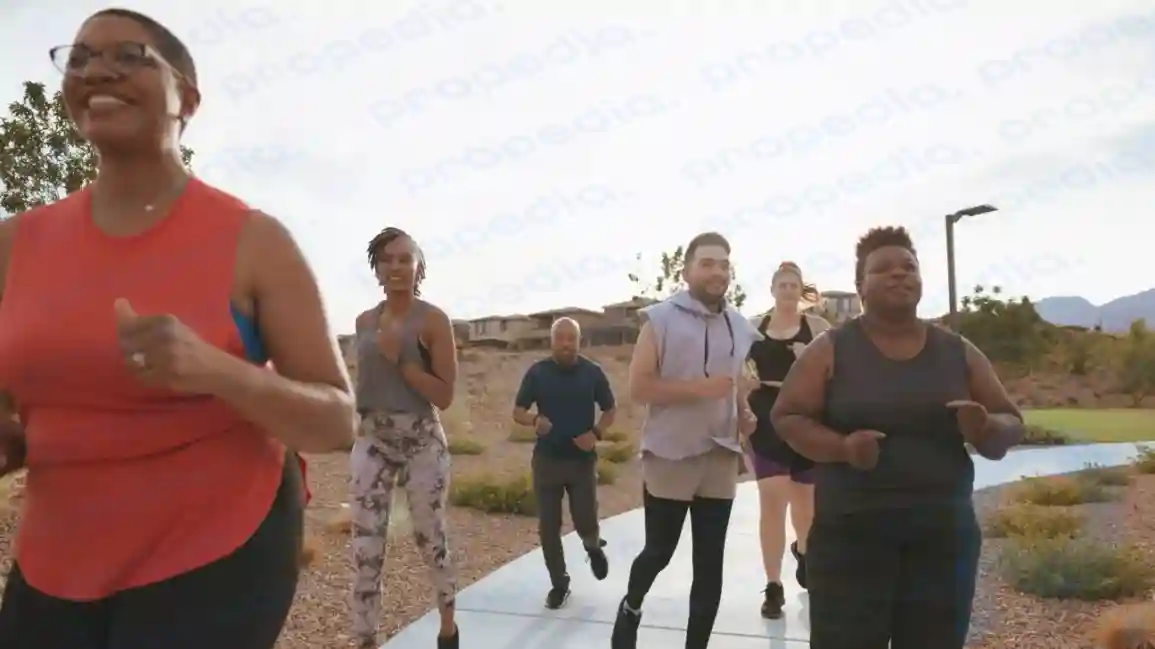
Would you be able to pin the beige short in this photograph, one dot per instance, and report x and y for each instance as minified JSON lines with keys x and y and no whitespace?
{"x":710,"y":475}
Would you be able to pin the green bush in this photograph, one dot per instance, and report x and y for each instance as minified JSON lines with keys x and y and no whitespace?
{"x":1107,"y":476}
{"x":1065,"y":568}
{"x":1061,"y":491}
{"x":495,"y":495}
{"x":1034,"y":521}
{"x":522,"y":435}
{"x":617,"y":452}
{"x":1043,"y":436}
{"x":607,"y":472}
{"x":465,"y":446}
{"x":1144,"y":462}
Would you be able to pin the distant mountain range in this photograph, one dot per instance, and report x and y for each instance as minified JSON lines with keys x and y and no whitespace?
{"x":1115,"y":316}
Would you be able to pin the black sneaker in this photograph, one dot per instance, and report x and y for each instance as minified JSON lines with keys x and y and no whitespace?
{"x":800,"y":571}
{"x":599,"y":564}
{"x":625,"y":635}
{"x":557,"y":597}
{"x":449,"y":642}
{"x":775,"y":600}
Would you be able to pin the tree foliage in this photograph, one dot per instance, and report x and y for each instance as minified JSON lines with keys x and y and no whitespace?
{"x":669,"y":279}
{"x":1135,"y":364}
{"x":42,"y":157}
{"x":1007,"y":330}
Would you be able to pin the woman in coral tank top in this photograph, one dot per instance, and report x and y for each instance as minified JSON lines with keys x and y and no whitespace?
{"x":163,"y":503}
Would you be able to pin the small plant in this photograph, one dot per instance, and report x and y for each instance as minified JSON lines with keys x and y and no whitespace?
{"x":1064,"y":568}
{"x":522,"y":435}
{"x":1062,"y":491}
{"x":1107,"y":476}
{"x":1043,"y":436}
{"x":615,"y":436}
{"x":607,"y":472}
{"x":465,"y":446}
{"x":495,"y":495}
{"x":1144,"y":462}
{"x":1034,"y":521}
{"x":617,"y":452}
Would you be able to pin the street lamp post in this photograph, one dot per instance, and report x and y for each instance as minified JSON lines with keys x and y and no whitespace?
{"x":952,"y":288}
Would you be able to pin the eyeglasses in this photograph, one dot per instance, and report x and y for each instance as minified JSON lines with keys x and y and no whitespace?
{"x":124,"y":57}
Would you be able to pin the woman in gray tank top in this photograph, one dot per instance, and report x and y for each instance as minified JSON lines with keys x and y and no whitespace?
{"x":885,"y":405}
{"x":406,"y":369}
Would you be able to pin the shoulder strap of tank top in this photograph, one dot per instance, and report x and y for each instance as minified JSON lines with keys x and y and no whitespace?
{"x":804,"y":328}
{"x":765,"y":324}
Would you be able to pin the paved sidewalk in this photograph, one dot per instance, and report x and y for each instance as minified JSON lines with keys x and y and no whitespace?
{"x":505,"y":610}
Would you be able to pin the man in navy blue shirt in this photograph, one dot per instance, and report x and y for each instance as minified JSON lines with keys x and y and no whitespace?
{"x":566,"y":388}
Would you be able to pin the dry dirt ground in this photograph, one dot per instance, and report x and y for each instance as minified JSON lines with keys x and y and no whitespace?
{"x":484,"y":542}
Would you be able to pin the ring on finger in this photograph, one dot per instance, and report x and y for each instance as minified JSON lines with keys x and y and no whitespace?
{"x":138,"y":359}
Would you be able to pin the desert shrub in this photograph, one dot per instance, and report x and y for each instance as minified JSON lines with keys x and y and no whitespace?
{"x":617,"y":452}
{"x":496,"y":495}
{"x":522,"y":435}
{"x":1062,"y":491}
{"x":1107,"y":476}
{"x":1033,"y":520}
{"x":615,"y":436}
{"x":465,"y":446}
{"x":1043,"y":436}
{"x":1065,"y":568}
{"x":1144,"y":462}
{"x":456,"y":419}
{"x":607,"y":472}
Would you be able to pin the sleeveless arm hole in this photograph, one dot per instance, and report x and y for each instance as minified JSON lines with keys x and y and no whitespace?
{"x":275,"y":280}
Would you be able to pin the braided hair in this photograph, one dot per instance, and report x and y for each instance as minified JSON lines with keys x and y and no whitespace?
{"x":388,"y":236}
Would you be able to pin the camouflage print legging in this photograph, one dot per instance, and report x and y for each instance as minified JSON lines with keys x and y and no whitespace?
{"x":411,"y":452}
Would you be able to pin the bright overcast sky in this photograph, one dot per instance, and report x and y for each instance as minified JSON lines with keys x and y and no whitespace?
{"x":534,"y":148}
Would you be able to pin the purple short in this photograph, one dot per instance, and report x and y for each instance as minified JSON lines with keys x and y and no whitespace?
{"x":765,"y":467}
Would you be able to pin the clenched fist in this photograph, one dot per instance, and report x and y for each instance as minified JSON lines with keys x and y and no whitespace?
{"x":162,"y":351}
{"x":861,"y":448}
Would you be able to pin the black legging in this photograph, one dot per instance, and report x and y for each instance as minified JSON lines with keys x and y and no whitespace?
{"x":238,"y":602}
{"x":709,"y":521}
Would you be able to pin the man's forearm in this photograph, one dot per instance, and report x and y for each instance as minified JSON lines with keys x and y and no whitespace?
{"x":1004,"y":432}
{"x":524,"y":417}
{"x":810,"y":438}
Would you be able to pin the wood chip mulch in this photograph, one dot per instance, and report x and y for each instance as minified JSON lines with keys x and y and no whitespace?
{"x":1006,"y":619}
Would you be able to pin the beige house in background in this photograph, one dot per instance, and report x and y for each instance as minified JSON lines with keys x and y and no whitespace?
{"x":613,"y":324}
{"x":837,"y":307}
{"x":840,"y":306}
{"x":498,"y":330}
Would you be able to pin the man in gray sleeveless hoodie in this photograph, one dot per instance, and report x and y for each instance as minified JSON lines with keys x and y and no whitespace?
{"x":686,"y":368}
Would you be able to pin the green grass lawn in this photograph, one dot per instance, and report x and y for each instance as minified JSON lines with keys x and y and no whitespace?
{"x":1097,"y":425}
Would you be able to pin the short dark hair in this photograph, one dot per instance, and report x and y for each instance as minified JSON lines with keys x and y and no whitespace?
{"x":388,"y":236}
{"x":170,"y":47}
{"x":876,"y":238}
{"x":705,"y":239}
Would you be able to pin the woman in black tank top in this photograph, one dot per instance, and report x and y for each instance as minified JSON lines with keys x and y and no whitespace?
{"x":785,"y":479}
{"x":886,"y":405}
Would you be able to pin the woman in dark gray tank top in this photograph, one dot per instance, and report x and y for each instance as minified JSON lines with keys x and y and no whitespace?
{"x":885,"y":405}
{"x":406,"y":369}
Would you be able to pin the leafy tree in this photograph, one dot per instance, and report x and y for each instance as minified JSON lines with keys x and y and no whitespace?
{"x":669,"y":279}
{"x":1136,"y":363}
{"x":1007,"y":330}
{"x":42,"y":157}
